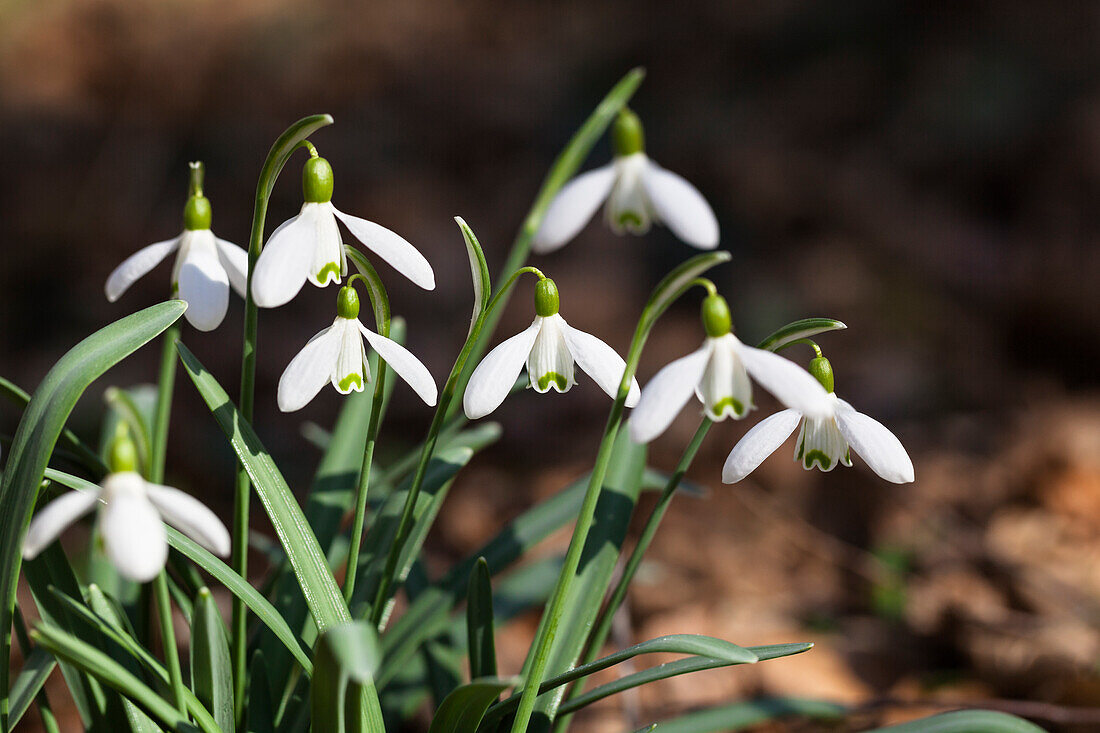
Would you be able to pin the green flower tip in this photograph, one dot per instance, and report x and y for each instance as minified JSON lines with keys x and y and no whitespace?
{"x":823,"y":371}
{"x":716,"y":316}
{"x":627,"y":134}
{"x":197,"y":213}
{"x":317,"y":181}
{"x":347,"y":302}
{"x":122,"y":455}
{"x":546,"y":298}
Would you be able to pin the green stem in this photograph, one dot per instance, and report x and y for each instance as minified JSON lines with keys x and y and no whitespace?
{"x":165,"y":384}
{"x":168,"y":641}
{"x":602,"y":627}
{"x":277,"y":157}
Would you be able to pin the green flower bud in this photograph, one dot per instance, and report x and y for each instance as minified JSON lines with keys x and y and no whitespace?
{"x":122,"y":455}
{"x":317,"y":181}
{"x":347,"y":302}
{"x":197,"y":213}
{"x":823,"y":371}
{"x":546,"y":298}
{"x":716,"y":316}
{"x":627,"y":134}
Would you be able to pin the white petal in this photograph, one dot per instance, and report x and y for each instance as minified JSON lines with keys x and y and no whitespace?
{"x":875,"y":444}
{"x":310,"y":370}
{"x":628,"y":207}
{"x":392,"y":248}
{"x":133,"y":535}
{"x":136,"y":265}
{"x":550,"y":363}
{"x":190,"y":516}
{"x":52,"y":520}
{"x":497,"y":372}
{"x":725,"y":389}
{"x":599,"y":361}
{"x":235,"y":261}
{"x":664,"y":396}
{"x":284,"y":262}
{"x":681,"y":207}
{"x":789,"y":383}
{"x":407,"y":366}
{"x":758,"y":444}
{"x":328,"y":263}
{"x":204,"y":285}
{"x":571,"y":209}
{"x":349,"y":372}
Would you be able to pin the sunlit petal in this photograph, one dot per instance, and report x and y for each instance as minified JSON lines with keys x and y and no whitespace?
{"x":392,"y":248}
{"x":601,"y":362}
{"x":680,"y":207}
{"x":235,"y":261}
{"x":494,"y":376}
{"x":664,"y":395}
{"x":310,"y":370}
{"x":573,"y":206}
{"x":759,"y":443}
{"x":136,"y":265}
{"x":52,"y":520}
{"x":789,"y":383}
{"x":204,"y":285}
{"x":875,"y":444}
{"x":190,"y":516}
{"x":284,"y":262}
{"x":404,"y":364}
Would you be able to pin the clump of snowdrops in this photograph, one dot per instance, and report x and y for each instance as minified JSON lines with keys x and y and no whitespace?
{"x":312,"y":641}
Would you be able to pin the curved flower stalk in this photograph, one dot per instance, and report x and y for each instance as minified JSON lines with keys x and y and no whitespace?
{"x":308,"y":246}
{"x":337,"y":355}
{"x":637,"y":192}
{"x":551,"y":349}
{"x":132,"y":512}
{"x":824,"y":440}
{"x":205,"y":267}
{"x":718,"y":375}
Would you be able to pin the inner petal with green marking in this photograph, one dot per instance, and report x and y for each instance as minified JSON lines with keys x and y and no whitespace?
{"x":550,"y":364}
{"x":331,"y":271}
{"x":821,"y":444}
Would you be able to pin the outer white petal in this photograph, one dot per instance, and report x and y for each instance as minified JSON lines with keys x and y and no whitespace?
{"x":789,"y":383}
{"x":681,"y":207}
{"x":349,"y":372}
{"x":497,"y":372}
{"x":571,"y":209}
{"x":875,"y":444}
{"x":204,"y":285}
{"x":664,"y":396}
{"x":190,"y":516}
{"x":54,"y":518}
{"x":407,"y":366}
{"x":284,"y":262}
{"x":392,"y":248}
{"x":759,"y":443}
{"x":133,"y":535}
{"x":600,"y":362}
{"x":310,"y":370}
{"x":235,"y":261}
{"x":136,"y":265}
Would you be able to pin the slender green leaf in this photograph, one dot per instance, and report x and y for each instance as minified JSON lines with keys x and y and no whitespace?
{"x":677,"y":281}
{"x":345,"y":653}
{"x":39,"y":429}
{"x":742,"y":715}
{"x":479,"y":622}
{"x":464,"y":708}
{"x":965,"y":721}
{"x":261,"y":708}
{"x":211,"y":673}
{"x":479,"y":272}
{"x":29,"y":681}
{"x":803,"y":329}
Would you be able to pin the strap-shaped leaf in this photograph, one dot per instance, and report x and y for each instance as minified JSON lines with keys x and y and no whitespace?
{"x":345,"y":653}
{"x":261,"y":709}
{"x":802,"y":329}
{"x":741,"y":715}
{"x":211,"y":672}
{"x":38,"y":432}
{"x":29,"y":681}
{"x":464,"y":708}
{"x":479,"y":271}
{"x":479,"y":622}
{"x":965,"y":721}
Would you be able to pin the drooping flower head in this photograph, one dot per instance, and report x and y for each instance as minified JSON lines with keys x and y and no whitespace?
{"x":131,"y":518}
{"x":337,"y":355}
{"x":637,"y":192}
{"x":824,"y":441}
{"x":309,"y":247}
{"x":205,"y":265}
{"x":718,"y":375}
{"x":551,"y":349}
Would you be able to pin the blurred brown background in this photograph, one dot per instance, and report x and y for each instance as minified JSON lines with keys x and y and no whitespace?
{"x":926,"y":173}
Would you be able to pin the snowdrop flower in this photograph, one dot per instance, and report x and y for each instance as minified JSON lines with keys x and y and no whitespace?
{"x":637,"y":191}
{"x":308,"y":246}
{"x":132,"y":513}
{"x":824,"y":440}
{"x":205,"y":267}
{"x":337,"y":355}
{"x":718,"y":374}
{"x":550,"y":347}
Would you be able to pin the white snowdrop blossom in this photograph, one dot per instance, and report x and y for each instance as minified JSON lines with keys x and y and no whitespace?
{"x":718,"y":375}
{"x":637,"y":192}
{"x":205,"y":268}
{"x":337,"y":355}
{"x":132,"y":512}
{"x":551,"y":349}
{"x":309,"y":247}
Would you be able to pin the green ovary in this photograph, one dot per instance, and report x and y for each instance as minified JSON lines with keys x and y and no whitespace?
{"x":332,"y":267}
{"x":346,"y":382}
{"x":546,"y":379}
{"x":719,"y":407}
